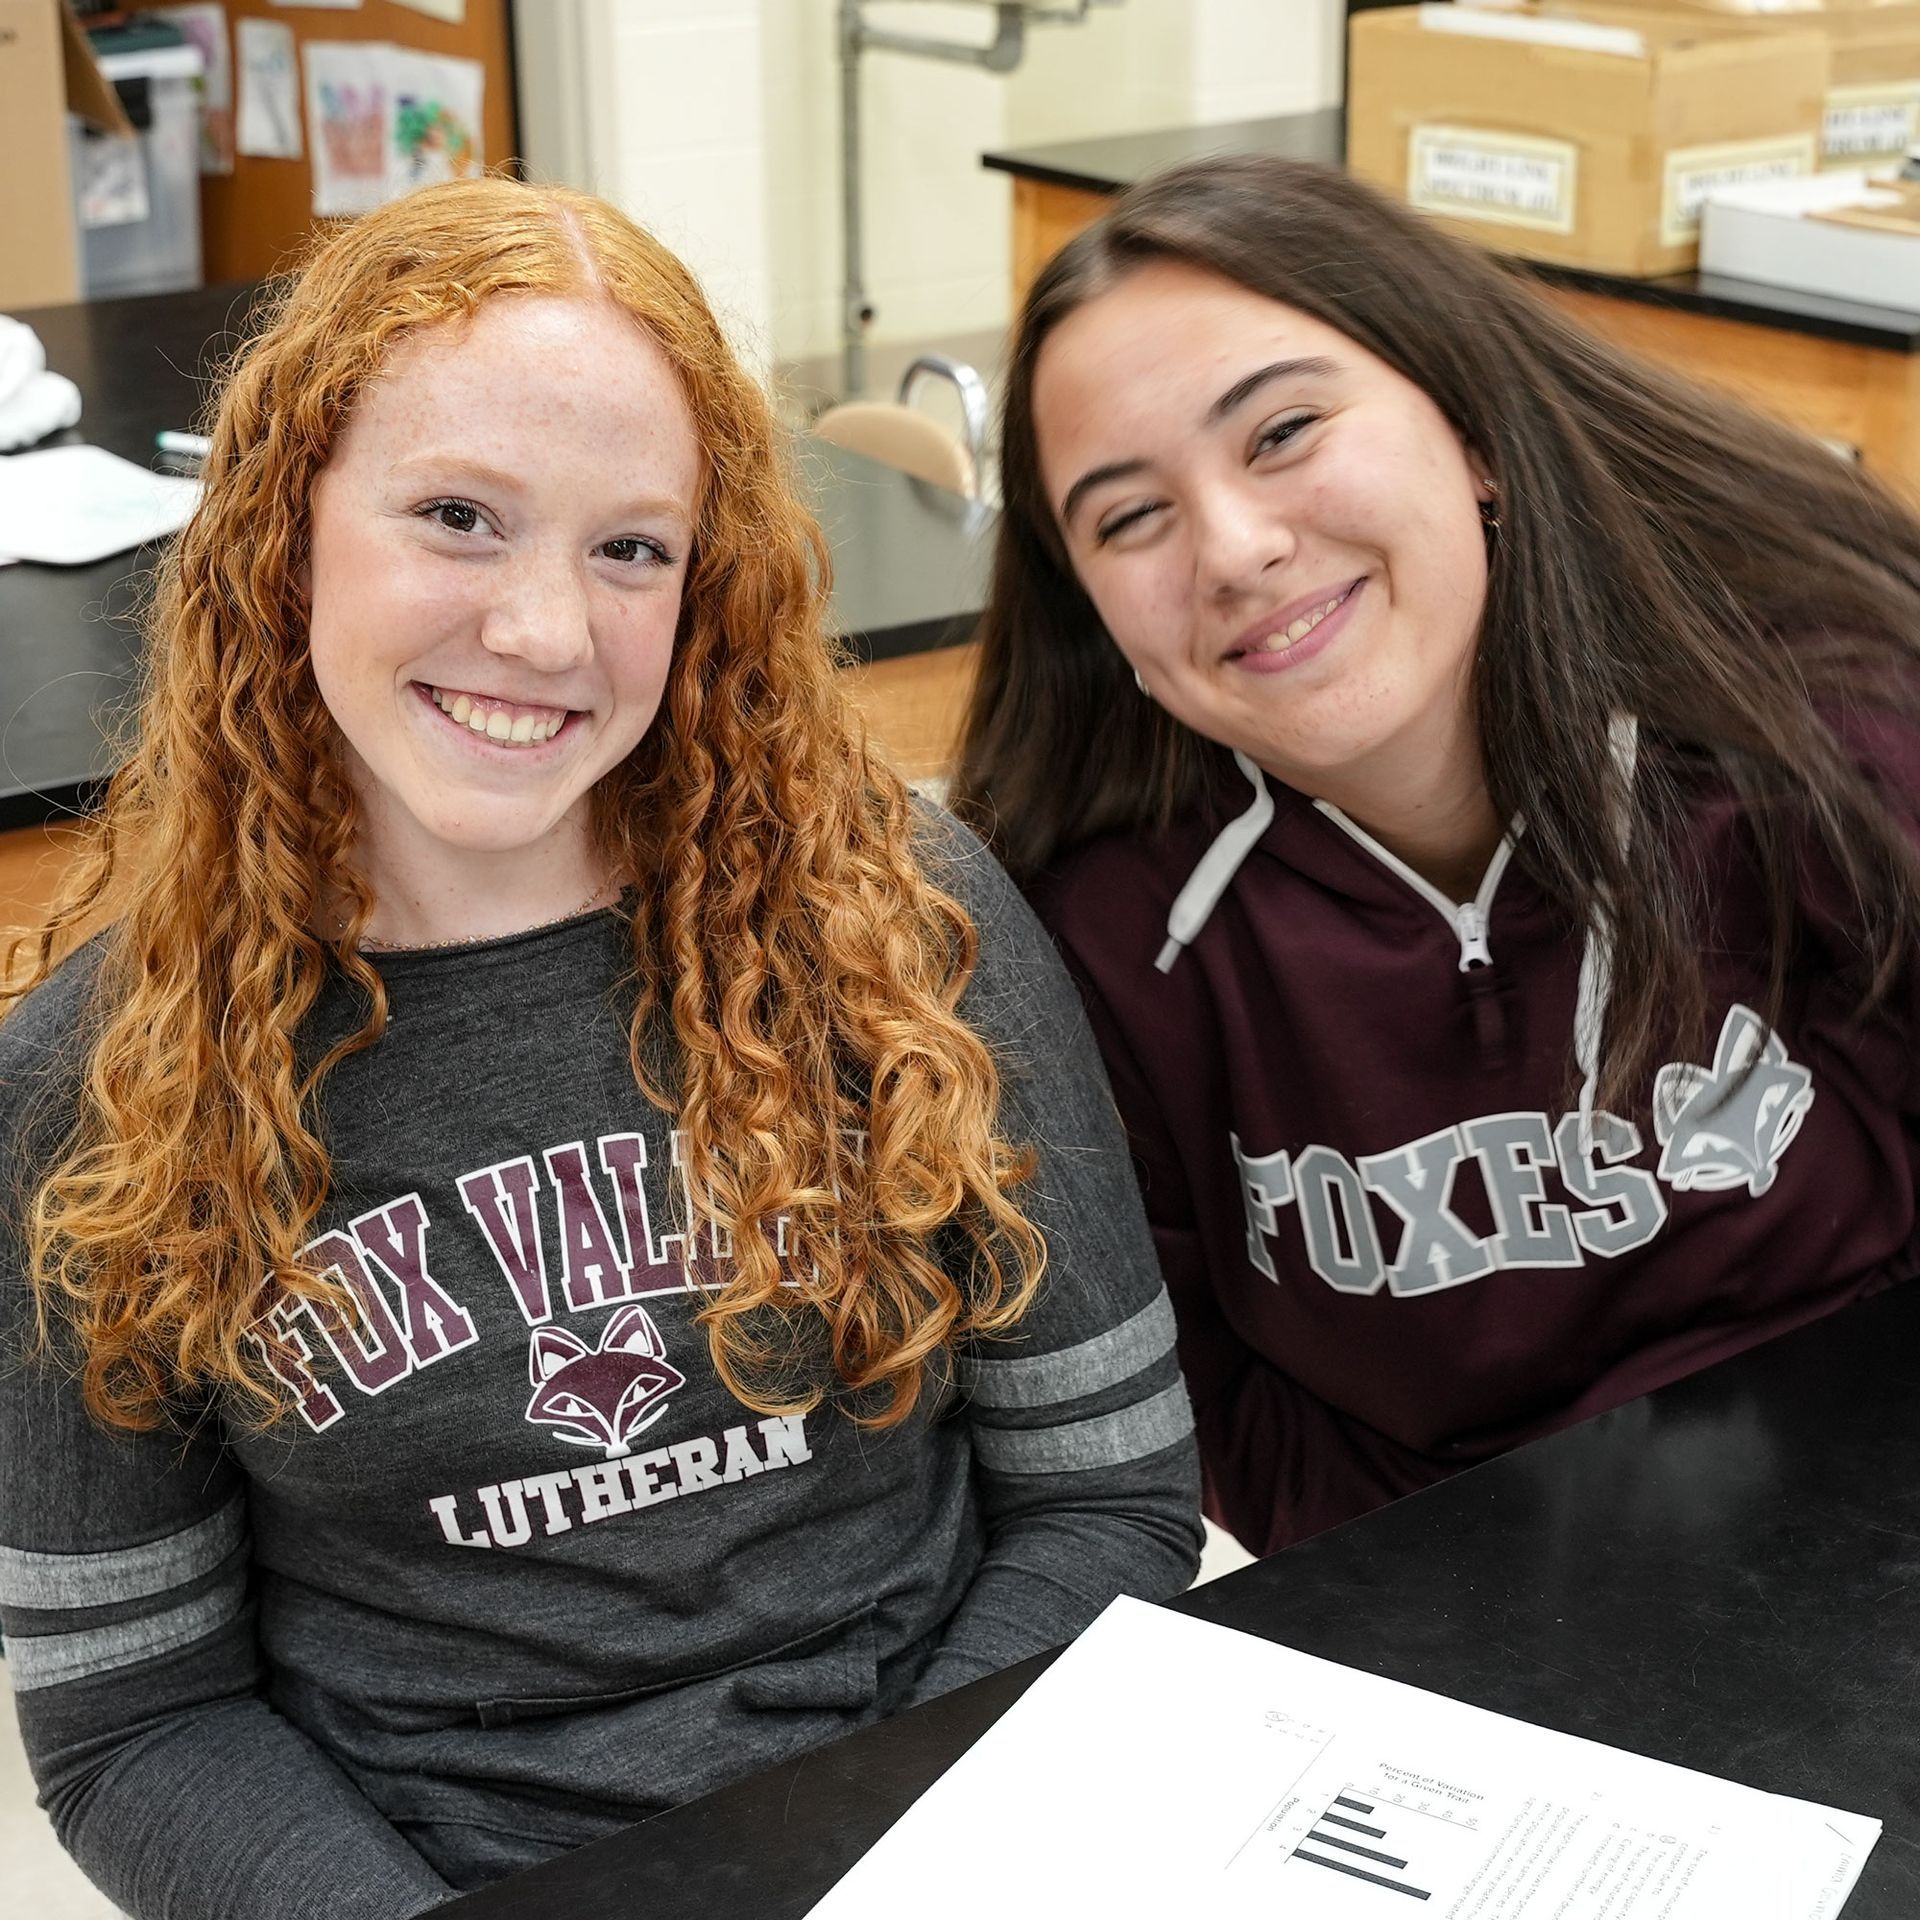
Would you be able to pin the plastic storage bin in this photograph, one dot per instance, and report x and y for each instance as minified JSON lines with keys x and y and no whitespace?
{"x":159,"y":253}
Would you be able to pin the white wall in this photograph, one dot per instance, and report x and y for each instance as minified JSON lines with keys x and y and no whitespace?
{"x":1256,"y":57}
{"x":1123,"y":69}
{"x":937,"y":228}
{"x":718,"y":123}
{"x":657,"y":105}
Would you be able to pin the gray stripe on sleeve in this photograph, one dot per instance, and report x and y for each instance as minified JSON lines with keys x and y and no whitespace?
{"x":49,"y":1580}
{"x":1045,"y":1379}
{"x":47,"y":1659}
{"x":1108,"y":1440}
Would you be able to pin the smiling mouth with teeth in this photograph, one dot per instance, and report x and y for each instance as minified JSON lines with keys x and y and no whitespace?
{"x":1300,"y":628}
{"x":500,"y":721}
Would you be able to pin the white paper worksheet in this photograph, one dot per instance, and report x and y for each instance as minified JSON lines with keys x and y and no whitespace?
{"x":72,"y":505}
{"x":1164,"y":1766}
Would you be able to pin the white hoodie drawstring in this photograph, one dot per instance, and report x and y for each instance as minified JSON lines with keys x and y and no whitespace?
{"x":1596,"y":960}
{"x":1221,"y":861}
{"x":1231,"y":845}
{"x":1590,"y":1019}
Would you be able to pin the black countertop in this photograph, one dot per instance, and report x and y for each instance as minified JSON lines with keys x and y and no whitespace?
{"x":1113,"y":164}
{"x":910,"y":560}
{"x":1725,"y":1575}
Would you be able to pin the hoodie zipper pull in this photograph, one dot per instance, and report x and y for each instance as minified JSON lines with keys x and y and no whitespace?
{"x":1470,"y":923}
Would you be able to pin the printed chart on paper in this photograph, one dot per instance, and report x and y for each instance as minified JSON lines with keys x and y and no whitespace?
{"x":1165,"y":1765}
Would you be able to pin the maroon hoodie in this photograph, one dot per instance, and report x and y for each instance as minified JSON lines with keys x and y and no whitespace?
{"x":1395,"y":1243}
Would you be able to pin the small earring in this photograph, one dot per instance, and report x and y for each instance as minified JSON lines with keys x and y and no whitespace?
{"x":1490,"y":507}
{"x":1137,"y":681}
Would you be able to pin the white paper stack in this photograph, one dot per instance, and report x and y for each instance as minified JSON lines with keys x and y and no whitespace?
{"x":1165,"y":1766}
{"x":67,"y":506}
{"x":1774,"y":231}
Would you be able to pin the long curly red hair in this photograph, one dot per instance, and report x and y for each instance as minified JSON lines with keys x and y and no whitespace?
{"x":809,"y":969}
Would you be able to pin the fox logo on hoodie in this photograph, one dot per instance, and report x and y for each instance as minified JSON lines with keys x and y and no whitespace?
{"x":601,"y":1396}
{"x":1727,"y":1126}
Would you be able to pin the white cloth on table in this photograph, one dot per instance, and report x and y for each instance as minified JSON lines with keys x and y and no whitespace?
{"x":33,"y":402}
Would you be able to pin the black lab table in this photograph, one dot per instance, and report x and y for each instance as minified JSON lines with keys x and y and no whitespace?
{"x":1725,"y":1575}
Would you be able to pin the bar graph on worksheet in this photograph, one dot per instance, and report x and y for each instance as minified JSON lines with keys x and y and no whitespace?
{"x":1371,"y":1852}
{"x":1150,"y":1771}
{"x":1377,"y":1844}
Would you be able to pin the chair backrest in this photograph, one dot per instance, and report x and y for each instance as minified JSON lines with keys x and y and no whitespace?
{"x":902,"y":437}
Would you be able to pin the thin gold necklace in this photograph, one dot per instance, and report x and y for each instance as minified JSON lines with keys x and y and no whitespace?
{"x":370,"y":944}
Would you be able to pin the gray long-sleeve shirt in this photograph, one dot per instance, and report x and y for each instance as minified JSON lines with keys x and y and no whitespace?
{"x":519,"y":1570}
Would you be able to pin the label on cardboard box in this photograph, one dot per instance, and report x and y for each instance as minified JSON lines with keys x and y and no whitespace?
{"x":1694,"y":172}
{"x":1864,"y":124}
{"x":1512,"y":179}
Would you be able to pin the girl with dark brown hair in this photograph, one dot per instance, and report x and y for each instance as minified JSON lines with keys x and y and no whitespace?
{"x":1473,"y":776}
{"x":564,"y":1240}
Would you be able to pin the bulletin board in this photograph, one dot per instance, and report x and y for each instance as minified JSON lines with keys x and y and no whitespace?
{"x":253,"y":219}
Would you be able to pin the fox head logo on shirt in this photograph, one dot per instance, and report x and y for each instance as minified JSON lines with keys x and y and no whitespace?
{"x":1721,"y":1129}
{"x":1727,"y":1126}
{"x":589,"y":1246}
{"x":601,"y":1396}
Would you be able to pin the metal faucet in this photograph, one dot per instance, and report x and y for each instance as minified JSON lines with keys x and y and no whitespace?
{"x":974,"y":410}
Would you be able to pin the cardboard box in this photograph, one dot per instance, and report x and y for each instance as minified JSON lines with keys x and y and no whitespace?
{"x":1873,"y":94}
{"x":1578,"y":140}
{"x":1835,"y":233}
{"x":46,"y":70}
{"x":1873,"y":97}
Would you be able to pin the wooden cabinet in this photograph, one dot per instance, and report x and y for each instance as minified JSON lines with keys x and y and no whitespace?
{"x":1866,"y":398}
{"x":1045,"y":218}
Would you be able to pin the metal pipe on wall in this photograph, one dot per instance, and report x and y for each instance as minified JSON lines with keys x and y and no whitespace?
{"x":999,"y":55}
{"x":856,"y":315}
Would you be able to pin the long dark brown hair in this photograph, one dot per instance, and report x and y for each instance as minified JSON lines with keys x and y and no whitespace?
{"x":1663,"y":552}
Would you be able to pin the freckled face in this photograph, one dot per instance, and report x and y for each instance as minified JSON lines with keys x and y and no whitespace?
{"x":498,"y":548}
{"x":1280,"y":532}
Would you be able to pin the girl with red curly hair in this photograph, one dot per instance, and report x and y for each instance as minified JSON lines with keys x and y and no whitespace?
{"x":570,"y":1241}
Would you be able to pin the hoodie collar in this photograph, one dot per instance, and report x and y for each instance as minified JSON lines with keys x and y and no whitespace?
{"x":1215,"y":870}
